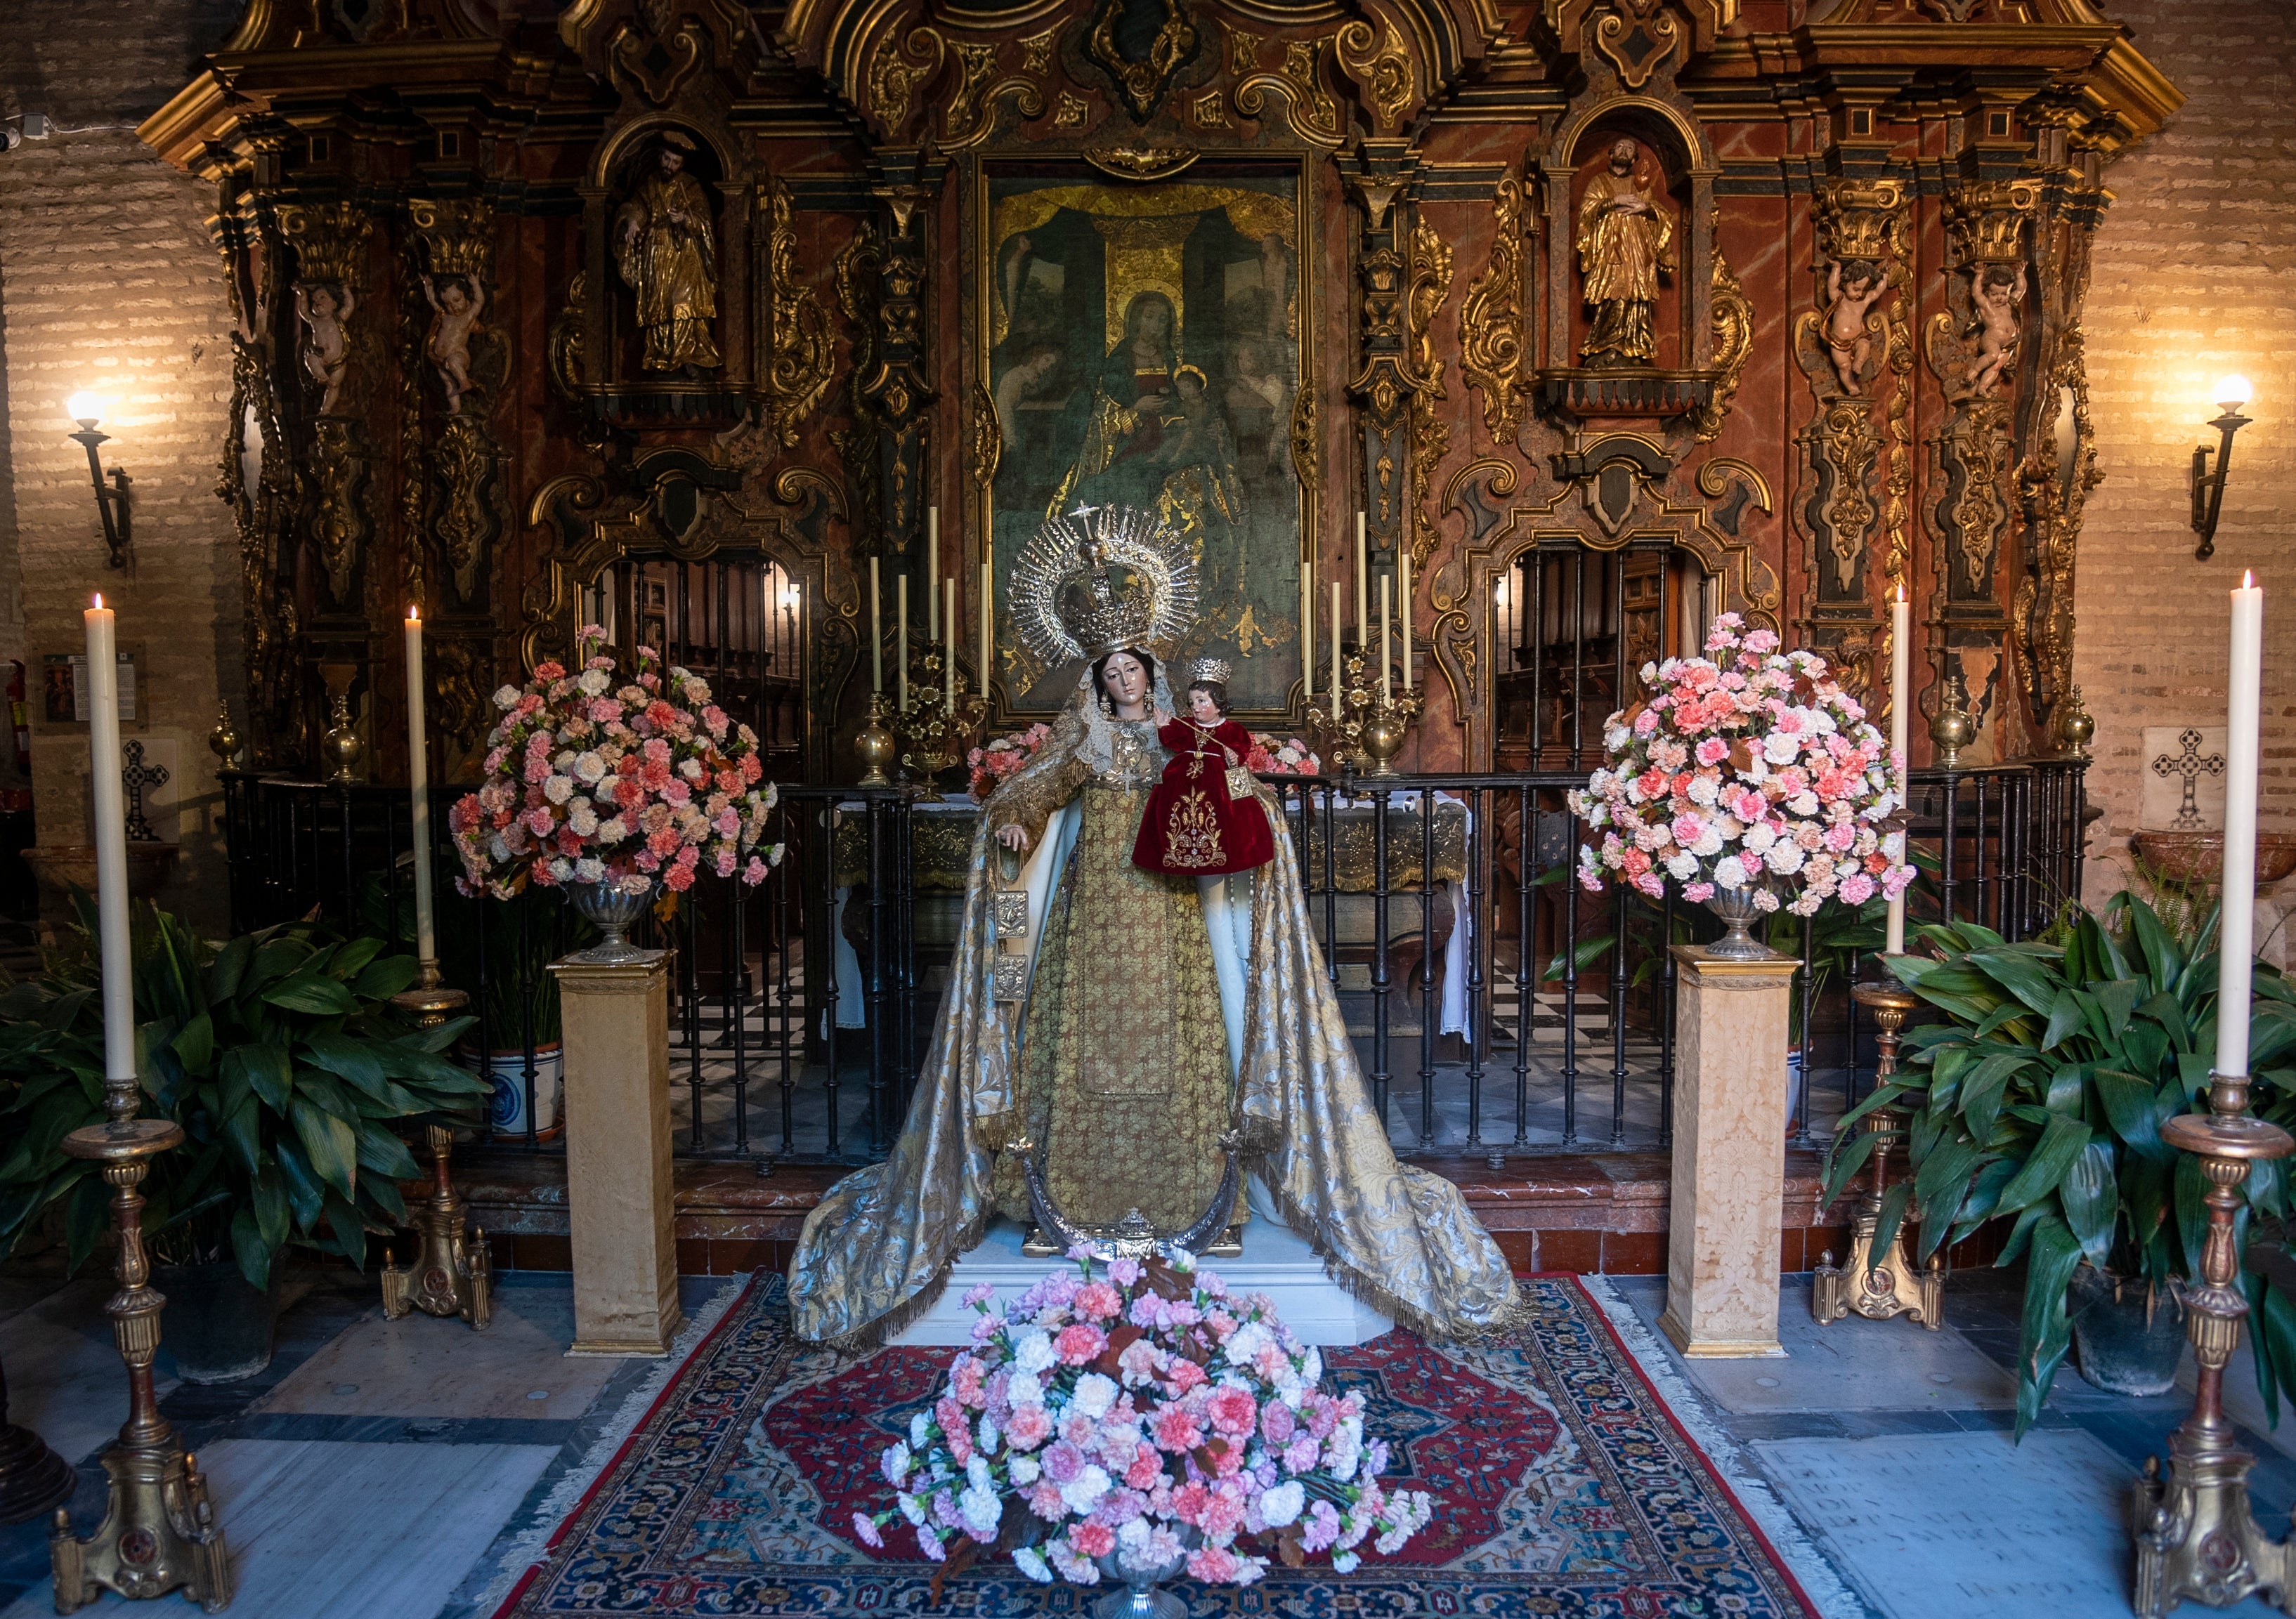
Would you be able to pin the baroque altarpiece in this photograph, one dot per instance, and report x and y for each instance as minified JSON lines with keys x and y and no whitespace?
{"x":1771,"y":305}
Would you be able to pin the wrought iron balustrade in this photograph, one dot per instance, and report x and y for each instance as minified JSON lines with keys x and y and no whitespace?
{"x":1497,"y":1008}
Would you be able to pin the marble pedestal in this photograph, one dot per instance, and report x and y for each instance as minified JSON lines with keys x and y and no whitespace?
{"x":1729,"y":1153}
{"x":617,"y":1133}
{"x":1274,"y":1262}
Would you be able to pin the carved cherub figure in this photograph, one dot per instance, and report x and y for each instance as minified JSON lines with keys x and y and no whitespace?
{"x":1998,"y":293}
{"x":325,"y":310}
{"x":458,"y":303}
{"x":1852,"y":289}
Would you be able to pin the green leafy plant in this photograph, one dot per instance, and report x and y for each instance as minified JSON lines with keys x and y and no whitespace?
{"x":278,"y":1052}
{"x":515,"y":940}
{"x":2039,"y":1098}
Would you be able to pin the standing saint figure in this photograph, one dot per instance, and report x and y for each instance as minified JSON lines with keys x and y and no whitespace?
{"x":1163,"y":1015}
{"x":667,"y":249}
{"x":1624,"y":243}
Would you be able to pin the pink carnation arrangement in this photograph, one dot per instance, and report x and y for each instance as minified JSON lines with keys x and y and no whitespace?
{"x":1001,"y":758}
{"x":1750,"y":769}
{"x":632,"y":784}
{"x":1116,"y":1424}
{"x":1274,"y":755}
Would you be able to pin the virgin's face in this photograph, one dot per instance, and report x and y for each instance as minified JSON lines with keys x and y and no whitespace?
{"x":1155,"y":321}
{"x":1124,"y":679}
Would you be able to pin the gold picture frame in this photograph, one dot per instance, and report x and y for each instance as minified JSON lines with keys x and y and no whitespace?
{"x":1148,"y":344}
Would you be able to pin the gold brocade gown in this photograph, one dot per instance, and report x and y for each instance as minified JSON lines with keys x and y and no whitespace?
{"x":1124,"y":1069}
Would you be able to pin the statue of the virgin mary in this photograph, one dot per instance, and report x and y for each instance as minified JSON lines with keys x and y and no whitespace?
{"x":1160,"y":1015}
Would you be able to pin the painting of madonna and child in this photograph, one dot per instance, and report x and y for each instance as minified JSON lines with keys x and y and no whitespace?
{"x":1143,"y":352}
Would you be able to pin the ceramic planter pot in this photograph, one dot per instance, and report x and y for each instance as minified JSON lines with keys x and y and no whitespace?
{"x":218,"y":1329}
{"x":2120,"y":1349}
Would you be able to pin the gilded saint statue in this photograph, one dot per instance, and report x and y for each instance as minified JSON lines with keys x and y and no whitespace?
{"x":667,"y":249}
{"x":1162,"y":1020}
{"x":1624,"y":243}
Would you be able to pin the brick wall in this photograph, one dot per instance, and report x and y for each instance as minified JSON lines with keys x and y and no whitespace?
{"x":2194,"y":277}
{"x":109,"y":282}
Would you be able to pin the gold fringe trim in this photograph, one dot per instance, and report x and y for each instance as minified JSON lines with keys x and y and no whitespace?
{"x":1365,"y":1291}
{"x":872,"y":1335}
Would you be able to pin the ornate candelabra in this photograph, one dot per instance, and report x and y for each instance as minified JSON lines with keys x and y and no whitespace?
{"x":453,"y":1274}
{"x":875,"y":745}
{"x":159,"y":1531}
{"x":932,"y":735}
{"x":1953,"y":727}
{"x":1372,"y":724}
{"x":1878,"y":1287}
{"x":2196,"y":1539}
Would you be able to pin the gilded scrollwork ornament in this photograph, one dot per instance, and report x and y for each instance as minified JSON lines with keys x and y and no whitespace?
{"x":895,"y":72}
{"x":1141,"y":81}
{"x":800,"y":359}
{"x":1491,"y":319}
{"x":1430,"y":435}
{"x":1380,"y":63}
{"x":986,"y":436}
{"x":564,"y":342}
{"x":1733,"y":321}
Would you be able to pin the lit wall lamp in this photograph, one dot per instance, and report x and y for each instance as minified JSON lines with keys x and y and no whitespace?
{"x":2208,"y":488}
{"x":111,"y":502}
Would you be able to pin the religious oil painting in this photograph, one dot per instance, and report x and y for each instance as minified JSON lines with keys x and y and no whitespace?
{"x":1145,"y":344}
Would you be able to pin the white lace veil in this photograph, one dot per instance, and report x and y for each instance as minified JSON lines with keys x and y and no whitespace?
{"x":1098,"y":749}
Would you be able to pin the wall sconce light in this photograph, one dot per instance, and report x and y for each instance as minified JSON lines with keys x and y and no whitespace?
{"x":111,"y":502}
{"x":2208,"y":488}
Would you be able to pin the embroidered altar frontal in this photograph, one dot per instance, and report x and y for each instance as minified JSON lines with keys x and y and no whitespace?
{"x":1562,"y":1487}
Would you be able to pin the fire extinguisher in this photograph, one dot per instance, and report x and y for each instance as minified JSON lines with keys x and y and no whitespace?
{"x":19,"y":715}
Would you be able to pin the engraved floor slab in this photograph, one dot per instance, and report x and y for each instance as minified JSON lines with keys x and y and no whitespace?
{"x":1968,"y":1525}
{"x":322,"y":1530}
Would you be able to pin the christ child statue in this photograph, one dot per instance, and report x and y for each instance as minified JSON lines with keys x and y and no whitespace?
{"x":1205,"y":818}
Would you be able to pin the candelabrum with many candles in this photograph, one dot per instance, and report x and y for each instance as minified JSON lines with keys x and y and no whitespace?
{"x":1372,"y":724}
{"x":931,"y":735}
{"x":452,"y":1273}
{"x":159,"y":1532}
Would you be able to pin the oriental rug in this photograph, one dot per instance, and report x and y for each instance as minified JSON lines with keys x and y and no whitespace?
{"x":1564,"y":1486}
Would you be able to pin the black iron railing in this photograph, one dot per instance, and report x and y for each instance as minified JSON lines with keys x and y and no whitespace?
{"x":1497,"y":1008}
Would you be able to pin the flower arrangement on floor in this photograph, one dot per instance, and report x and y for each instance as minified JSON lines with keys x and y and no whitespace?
{"x":629,"y":785}
{"x":1118,"y":1423}
{"x":1742,"y":770}
{"x":1274,"y":756}
{"x":1003,"y":757}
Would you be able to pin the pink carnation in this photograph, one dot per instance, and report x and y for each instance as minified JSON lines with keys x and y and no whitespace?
{"x":1081,"y":1345}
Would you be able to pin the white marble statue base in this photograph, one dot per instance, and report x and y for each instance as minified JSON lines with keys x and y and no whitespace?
{"x":1274,"y":1262}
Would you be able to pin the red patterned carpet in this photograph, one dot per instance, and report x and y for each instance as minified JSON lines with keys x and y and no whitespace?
{"x":1564,"y":1486}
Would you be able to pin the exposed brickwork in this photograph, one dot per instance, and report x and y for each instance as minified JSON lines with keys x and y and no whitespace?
{"x":2194,"y":277}
{"x":108,"y":281}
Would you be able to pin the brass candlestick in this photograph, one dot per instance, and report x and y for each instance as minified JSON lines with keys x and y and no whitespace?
{"x":1953,"y":727}
{"x":932,"y":736}
{"x":341,"y":748}
{"x":875,"y":746}
{"x":1878,"y":1288}
{"x":2196,"y":1539}
{"x":452,"y":1273}
{"x":159,"y":1531}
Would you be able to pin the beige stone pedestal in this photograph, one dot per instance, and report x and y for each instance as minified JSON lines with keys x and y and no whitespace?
{"x":1729,"y":1153}
{"x":618,"y":1178}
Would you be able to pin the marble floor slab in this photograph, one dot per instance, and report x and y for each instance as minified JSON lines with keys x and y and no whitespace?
{"x":1968,"y":1525}
{"x":422,"y":1367}
{"x":327,"y":1530}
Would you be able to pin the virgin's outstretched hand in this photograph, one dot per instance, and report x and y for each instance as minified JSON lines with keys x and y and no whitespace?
{"x":1015,"y":837}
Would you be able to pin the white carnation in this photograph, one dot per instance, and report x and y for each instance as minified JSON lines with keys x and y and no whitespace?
{"x":1759,"y":836}
{"x":1024,"y":1469}
{"x":582,"y":819}
{"x":1284,"y":1503}
{"x":1779,"y":749}
{"x":594,"y":682}
{"x":1034,"y":1353}
{"x":1083,"y":1492}
{"x":506,"y":698}
{"x":980,"y":1509}
{"x":1709,"y":842}
{"x":1023,"y":1389}
{"x":1682,"y":868}
{"x":1096,"y":1393}
{"x":588,"y":768}
{"x":613,"y":830}
{"x":558,"y":789}
{"x":1729,"y":873}
{"x":1704,"y":791}
{"x":588,"y":870}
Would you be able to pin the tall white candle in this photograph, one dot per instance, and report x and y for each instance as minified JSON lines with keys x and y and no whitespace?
{"x":901,"y":639}
{"x":1308,"y":630}
{"x":988,"y":618}
{"x":1363,"y":589}
{"x":418,"y":788}
{"x":1339,"y":677}
{"x":1901,"y":660}
{"x":1404,"y":591}
{"x":1386,"y":686}
{"x":948,"y":653}
{"x":933,"y":574}
{"x":110,"y":845}
{"x":2237,"y":933}
{"x":876,"y":635}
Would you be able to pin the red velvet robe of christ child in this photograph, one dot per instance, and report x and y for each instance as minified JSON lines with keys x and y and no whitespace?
{"x":1191,"y":828}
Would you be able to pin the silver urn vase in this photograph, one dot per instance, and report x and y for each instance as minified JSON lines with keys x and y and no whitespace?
{"x":1138,"y":1596}
{"x":612,"y":910}
{"x":1738,"y":911}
